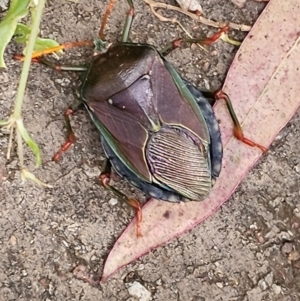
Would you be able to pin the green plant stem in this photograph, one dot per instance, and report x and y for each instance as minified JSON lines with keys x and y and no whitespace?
{"x":27,"y":61}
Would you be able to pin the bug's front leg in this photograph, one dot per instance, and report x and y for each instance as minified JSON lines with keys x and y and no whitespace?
{"x":71,"y":138}
{"x":50,"y":50}
{"x":202,"y":41}
{"x":105,"y":178}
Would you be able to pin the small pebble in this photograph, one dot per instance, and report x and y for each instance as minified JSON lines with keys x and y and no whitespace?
{"x":113,"y":202}
{"x":296,"y":212}
{"x":206,"y":66}
{"x":276,"y":289}
{"x":239,"y":3}
{"x":65,"y":244}
{"x":287,"y":248}
{"x":294,"y":255}
{"x":262,"y":284}
{"x":276,"y":202}
{"x":269,"y":279}
{"x":207,"y":85}
{"x":4,"y":4}
{"x":139,"y":291}
{"x":13,"y":240}
{"x":24,"y":273}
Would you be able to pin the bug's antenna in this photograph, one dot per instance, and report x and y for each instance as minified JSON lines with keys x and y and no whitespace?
{"x":109,"y":8}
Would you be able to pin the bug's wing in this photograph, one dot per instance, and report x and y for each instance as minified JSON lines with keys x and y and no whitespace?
{"x":125,"y":135}
{"x":178,"y":108}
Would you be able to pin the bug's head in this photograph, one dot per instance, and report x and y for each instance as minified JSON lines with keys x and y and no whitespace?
{"x":100,"y":46}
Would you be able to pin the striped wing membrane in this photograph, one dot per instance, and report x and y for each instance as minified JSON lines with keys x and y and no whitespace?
{"x":179,"y":162}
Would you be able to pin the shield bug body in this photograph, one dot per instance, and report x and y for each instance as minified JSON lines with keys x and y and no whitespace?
{"x":158,"y":131}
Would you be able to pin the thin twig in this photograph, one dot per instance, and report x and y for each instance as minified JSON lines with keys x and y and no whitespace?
{"x":154,"y":5}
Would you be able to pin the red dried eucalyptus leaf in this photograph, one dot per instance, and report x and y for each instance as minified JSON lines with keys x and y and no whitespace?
{"x":263,"y":84}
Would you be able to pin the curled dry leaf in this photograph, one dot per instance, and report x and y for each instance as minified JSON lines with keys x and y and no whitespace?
{"x":190,"y":5}
{"x":159,"y":5}
{"x":267,"y":66}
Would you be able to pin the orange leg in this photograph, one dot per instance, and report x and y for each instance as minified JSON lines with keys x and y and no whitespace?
{"x":207,"y":41}
{"x":57,"y":48}
{"x":215,"y":37}
{"x":71,"y":138}
{"x":105,"y":178}
{"x":105,"y":17}
{"x":237,"y":129}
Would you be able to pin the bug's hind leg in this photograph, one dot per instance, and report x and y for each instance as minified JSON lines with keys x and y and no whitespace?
{"x":237,"y":130}
{"x":105,"y":178}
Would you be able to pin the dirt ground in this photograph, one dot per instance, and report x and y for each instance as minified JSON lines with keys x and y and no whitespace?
{"x":247,"y":251}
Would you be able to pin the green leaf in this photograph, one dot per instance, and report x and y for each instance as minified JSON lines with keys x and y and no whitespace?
{"x":224,"y":37}
{"x":4,"y":122}
{"x":22,"y":31}
{"x":25,"y":174}
{"x":30,"y":142}
{"x":18,"y":9}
